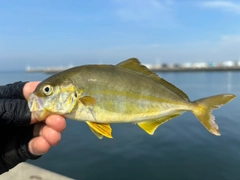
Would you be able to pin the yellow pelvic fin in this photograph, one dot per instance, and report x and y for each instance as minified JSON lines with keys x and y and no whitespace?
{"x":151,"y":125}
{"x":100,"y":129}
{"x":203,"y":110}
{"x":88,"y":100}
{"x":135,"y":65}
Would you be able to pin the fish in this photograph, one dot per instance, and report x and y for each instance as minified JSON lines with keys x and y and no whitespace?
{"x":124,"y":93}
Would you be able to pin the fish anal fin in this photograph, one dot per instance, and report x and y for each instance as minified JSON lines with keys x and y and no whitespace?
{"x":100,"y":136}
{"x":151,"y":125}
{"x":88,"y":100}
{"x":100,"y":129}
{"x":135,"y":65}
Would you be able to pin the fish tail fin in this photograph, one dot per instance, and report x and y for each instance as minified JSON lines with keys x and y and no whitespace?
{"x":202,"y":109}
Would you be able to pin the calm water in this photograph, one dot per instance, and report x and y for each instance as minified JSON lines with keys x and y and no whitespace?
{"x":181,"y":149}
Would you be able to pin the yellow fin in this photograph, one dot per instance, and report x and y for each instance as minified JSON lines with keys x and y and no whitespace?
{"x":88,"y":100}
{"x":135,"y":65}
{"x":100,"y":136}
{"x":151,"y":125}
{"x":203,"y":110}
{"x":100,"y":129}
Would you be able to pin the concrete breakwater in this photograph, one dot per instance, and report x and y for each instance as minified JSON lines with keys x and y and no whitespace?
{"x":30,"y":172}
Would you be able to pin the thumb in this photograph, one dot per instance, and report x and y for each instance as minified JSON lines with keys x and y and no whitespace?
{"x":27,"y":90}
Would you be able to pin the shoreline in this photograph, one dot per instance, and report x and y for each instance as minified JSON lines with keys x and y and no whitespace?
{"x":162,"y":69}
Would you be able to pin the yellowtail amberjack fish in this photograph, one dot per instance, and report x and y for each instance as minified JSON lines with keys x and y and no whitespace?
{"x":124,"y":93}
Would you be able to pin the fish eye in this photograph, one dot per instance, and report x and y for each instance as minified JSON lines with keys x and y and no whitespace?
{"x":47,"y":90}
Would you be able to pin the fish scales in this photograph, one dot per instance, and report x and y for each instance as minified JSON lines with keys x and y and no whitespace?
{"x":122,"y":97}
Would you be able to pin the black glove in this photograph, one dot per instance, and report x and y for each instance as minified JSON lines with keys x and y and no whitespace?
{"x":15,"y":128}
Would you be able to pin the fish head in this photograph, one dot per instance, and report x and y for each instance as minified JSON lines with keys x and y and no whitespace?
{"x":49,"y":98}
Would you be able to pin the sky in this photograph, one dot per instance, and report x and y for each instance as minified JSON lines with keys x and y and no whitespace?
{"x":76,"y":32}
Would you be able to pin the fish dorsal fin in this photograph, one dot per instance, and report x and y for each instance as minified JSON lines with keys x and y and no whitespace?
{"x":151,"y":125}
{"x":135,"y":65}
{"x":174,"y":89}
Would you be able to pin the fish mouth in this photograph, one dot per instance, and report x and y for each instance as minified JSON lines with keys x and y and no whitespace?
{"x":35,"y":105}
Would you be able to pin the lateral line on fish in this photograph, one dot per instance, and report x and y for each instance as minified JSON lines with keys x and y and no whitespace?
{"x":132,"y":95}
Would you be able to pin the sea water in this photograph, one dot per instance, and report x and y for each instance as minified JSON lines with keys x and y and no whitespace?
{"x":181,"y":149}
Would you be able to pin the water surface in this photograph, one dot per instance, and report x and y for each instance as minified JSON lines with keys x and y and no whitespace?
{"x":181,"y":149}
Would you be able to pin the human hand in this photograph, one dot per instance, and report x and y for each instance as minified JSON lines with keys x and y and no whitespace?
{"x":45,"y":134}
{"x":21,"y":137}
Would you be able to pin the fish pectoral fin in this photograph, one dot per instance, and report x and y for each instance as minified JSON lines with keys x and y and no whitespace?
{"x":100,"y":130}
{"x":88,"y":100}
{"x":151,"y":125}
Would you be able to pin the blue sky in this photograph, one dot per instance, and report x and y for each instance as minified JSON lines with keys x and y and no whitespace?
{"x":60,"y":32}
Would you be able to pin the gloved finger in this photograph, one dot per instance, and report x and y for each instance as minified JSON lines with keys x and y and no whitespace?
{"x":14,"y":90}
{"x":14,"y":112}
